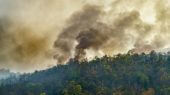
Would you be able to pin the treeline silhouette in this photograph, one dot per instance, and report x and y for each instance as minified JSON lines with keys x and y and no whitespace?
{"x":123,"y":74}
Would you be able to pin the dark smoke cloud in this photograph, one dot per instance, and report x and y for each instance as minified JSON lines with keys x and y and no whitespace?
{"x":78,"y":29}
{"x":80,"y":21}
{"x":28,"y":29}
{"x":86,"y":28}
{"x":126,"y":30}
{"x":21,"y":45}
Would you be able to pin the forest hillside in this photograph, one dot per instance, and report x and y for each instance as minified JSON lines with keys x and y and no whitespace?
{"x":123,"y":74}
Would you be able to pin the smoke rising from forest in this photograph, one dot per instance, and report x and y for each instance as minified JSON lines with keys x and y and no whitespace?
{"x":114,"y":30}
{"x":33,"y":32}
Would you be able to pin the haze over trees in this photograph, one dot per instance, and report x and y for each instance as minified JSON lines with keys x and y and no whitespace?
{"x":5,"y":73}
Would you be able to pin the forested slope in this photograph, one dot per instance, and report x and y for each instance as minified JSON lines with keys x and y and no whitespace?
{"x":123,"y":74}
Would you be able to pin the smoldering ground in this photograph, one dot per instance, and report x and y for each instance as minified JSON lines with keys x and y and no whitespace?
{"x":33,"y":32}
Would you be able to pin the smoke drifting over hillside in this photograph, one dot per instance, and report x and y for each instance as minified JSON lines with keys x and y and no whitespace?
{"x":32,"y":32}
{"x":114,"y":28}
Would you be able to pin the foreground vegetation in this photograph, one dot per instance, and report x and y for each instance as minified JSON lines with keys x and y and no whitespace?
{"x":124,"y":74}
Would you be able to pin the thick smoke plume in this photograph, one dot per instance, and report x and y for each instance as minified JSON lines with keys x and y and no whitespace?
{"x":32,"y":32}
{"x":112,"y":29}
{"x":28,"y":29}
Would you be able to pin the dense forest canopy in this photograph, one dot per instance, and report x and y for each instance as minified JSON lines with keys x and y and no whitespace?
{"x":123,"y":74}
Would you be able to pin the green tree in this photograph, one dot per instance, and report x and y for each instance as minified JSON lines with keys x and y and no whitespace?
{"x":43,"y":93}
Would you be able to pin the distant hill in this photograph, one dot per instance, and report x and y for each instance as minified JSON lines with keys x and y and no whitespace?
{"x":124,"y":74}
{"x":4,"y":73}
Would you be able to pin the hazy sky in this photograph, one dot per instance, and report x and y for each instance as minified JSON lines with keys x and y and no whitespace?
{"x":38,"y":34}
